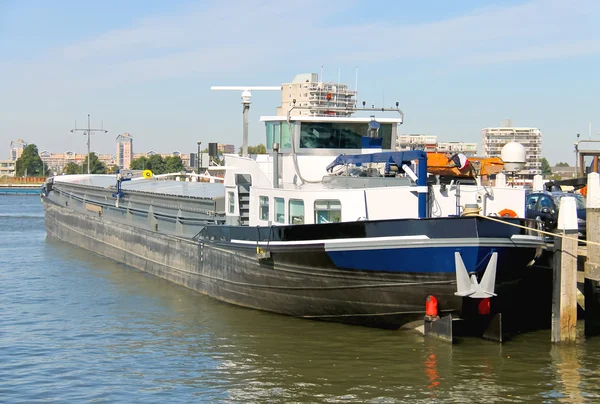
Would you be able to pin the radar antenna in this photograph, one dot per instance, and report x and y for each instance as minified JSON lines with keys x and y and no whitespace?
{"x":246,"y":96}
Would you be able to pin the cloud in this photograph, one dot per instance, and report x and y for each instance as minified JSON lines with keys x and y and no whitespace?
{"x":273,"y":35}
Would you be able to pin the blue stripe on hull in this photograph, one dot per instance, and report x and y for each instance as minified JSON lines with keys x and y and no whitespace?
{"x":430,"y":260}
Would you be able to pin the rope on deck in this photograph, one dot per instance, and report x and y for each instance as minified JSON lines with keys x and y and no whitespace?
{"x":563,"y":236}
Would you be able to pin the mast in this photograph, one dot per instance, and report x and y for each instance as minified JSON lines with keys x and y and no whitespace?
{"x":88,"y":132}
{"x":246,"y":97}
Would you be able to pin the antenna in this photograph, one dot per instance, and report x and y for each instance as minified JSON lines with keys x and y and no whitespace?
{"x":246,"y":97}
{"x":356,"y":85}
{"x":321,"y":76}
{"x":88,"y":132}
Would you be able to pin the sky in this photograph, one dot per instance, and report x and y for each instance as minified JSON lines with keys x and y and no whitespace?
{"x":146,"y":67}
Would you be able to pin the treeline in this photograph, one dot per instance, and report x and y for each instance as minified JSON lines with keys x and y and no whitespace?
{"x":30,"y":164}
{"x":158,"y":165}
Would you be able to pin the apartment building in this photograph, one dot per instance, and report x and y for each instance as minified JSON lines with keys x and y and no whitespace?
{"x":56,"y":162}
{"x":7,"y":168}
{"x":493,"y":139}
{"x":315,"y":98}
{"x":16,"y":149}
{"x":225,"y":149}
{"x":124,"y":150}
{"x":427,"y":143}
{"x":430,"y":143}
{"x":468,"y":149}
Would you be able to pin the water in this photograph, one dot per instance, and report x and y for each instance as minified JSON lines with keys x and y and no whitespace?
{"x":75,"y":327}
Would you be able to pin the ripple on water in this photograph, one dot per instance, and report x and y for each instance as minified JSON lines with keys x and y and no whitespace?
{"x":76,"y":327}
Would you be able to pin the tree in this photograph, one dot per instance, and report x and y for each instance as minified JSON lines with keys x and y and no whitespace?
{"x":157,"y":164}
{"x":546,"y":169}
{"x":173,"y":164}
{"x":113,"y":169}
{"x":72,"y":168}
{"x":140,"y":163}
{"x":259,"y":149}
{"x":30,"y":163}
{"x":96,"y":166}
{"x":561,"y":164}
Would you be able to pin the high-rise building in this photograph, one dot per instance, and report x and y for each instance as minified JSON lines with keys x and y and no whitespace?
{"x":16,"y":149}
{"x":316,"y":98}
{"x":493,"y":139}
{"x":124,"y":150}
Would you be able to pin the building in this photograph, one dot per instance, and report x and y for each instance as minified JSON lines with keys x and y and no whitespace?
{"x":316,"y":98}
{"x":493,"y":139}
{"x":430,"y":143}
{"x":56,"y":162}
{"x":16,"y":149}
{"x":427,"y":143}
{"x":468,"y":149}
{"x":7,"y":168}
{"x":564,"y":172}
{"x":225,"y":149}
{"x":107,"y":159}
{"x":124,"y":150}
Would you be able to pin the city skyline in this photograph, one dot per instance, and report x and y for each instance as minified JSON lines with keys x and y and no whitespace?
{"x":455,"y":68}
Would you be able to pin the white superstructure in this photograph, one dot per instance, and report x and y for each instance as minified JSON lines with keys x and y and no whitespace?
{"x":306,"y":193}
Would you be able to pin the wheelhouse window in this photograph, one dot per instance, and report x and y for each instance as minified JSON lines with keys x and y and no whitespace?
{"x":296,"y":211}
{"x":279,"y":210}
{"x":231,"y":199}
{"x":279,"y":132}
{"x":263,"y":211}
{"x":340,"y":135}
{"x":328,"y":211}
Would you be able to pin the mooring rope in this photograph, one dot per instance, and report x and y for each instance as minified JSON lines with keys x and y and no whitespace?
{"x":540,"y":231}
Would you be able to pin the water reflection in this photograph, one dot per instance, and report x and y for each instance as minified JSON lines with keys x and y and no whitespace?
{"x":566,"y":362}
{"x":223,"y":352}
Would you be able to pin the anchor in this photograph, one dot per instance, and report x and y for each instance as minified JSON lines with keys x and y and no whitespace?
{"x":469,"y":286}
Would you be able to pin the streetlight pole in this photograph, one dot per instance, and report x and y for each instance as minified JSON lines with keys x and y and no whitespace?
{"x":88,"y":132}
{"x":577,"y":157}
{"x":199,"y":157}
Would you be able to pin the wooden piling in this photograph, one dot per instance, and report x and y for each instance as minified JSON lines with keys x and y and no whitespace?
{"x":564,"y":293}
{"x":592,"y":265}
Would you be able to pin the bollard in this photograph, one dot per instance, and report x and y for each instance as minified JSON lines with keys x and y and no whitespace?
{"x":564,"y":288}
{"x":592,"y":266}
{"x":538,"y":183}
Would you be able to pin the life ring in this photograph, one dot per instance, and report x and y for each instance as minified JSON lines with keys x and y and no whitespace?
{"x":147,"y":174}
{"x":507,"y":213}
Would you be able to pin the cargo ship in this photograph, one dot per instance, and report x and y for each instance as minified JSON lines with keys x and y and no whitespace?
{"x":331,"y":224}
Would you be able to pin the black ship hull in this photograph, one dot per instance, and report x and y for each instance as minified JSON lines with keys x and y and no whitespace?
{"x":375,"y":274}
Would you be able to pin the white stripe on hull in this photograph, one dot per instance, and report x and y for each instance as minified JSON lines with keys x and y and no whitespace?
{"x":417,"y":241}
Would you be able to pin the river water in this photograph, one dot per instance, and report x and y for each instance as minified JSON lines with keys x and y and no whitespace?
{"x":75,"y":327}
